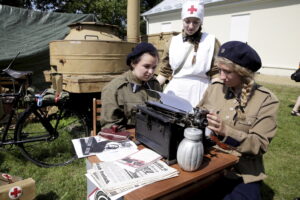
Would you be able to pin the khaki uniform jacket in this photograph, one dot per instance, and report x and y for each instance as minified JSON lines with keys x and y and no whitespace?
{"x":121,"y":96}
{"x":251,"y":136}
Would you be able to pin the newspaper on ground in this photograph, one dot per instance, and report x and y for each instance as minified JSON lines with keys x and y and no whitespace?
{"x":106,"y":150}
{"x":139,"y":159}
{"x":116,"y":181}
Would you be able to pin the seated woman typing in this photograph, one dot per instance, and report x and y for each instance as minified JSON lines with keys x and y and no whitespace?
{"x":243,"y":115}
{"x":121,"y":96}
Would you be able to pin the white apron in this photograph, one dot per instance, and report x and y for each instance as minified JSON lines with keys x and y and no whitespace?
{"x":191,"y":81}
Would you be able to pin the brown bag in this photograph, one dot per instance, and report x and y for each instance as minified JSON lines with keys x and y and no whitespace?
{"x":21,"y":189}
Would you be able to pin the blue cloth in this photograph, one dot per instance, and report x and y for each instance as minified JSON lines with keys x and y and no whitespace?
{"x":242,"y":191}
{"x":242,"y":54}
{"x":231,"y":189}
{"x":141,"y":48}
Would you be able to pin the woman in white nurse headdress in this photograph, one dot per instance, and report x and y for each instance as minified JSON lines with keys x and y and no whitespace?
{"x":189,"y":57}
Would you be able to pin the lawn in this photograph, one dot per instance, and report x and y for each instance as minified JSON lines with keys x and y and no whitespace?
{"x":282,"y":162}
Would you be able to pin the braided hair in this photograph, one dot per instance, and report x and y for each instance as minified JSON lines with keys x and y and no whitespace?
{"x":247,"y":77}
{"x":194,"y":40}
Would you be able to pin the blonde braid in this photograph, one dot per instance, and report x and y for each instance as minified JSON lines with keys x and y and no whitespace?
{"x":245,"y":96}
{"x":248,"y":83}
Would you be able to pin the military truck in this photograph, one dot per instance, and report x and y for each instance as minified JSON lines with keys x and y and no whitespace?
{"x":92,"y":55}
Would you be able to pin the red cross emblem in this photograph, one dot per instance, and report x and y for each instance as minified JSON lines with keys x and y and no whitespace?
{"x":7,"y":176}
{"x":15,"y":192}
{"x":192,"y":9}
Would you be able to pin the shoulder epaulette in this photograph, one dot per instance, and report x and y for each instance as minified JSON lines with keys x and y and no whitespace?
{"x":117,"y":82}
{"x":218,"y":81}
{"x":263,"y":89}
{"x":266,"y":91}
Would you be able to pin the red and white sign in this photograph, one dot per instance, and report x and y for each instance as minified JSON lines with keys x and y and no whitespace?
{"x":15,"y":192}
{"x":7,"y":176}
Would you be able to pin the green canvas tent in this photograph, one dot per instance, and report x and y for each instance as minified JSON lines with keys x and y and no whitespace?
{"x":29,"y":32}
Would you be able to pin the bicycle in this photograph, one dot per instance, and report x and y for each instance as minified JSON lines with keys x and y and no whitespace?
{"x":44,"y":129}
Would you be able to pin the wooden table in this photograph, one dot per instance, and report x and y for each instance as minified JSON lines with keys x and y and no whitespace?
{"x":212,"y":168}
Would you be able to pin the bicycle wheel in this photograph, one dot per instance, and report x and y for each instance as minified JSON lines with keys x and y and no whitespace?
{"x":45,"y":134}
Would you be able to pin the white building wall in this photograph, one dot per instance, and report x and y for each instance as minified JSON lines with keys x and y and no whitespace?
{"x":274,"y":30}
{"x":156,"y":22}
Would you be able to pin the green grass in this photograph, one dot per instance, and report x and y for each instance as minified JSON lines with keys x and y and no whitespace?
{"x":67,"y":182}
{"x":282,"y":162}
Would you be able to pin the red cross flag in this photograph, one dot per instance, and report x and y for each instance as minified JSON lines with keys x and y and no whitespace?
{"x":15,"y":192}
{"x":193,"y":8}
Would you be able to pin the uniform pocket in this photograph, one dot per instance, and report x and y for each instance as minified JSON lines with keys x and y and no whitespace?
{"x":248,"y":121}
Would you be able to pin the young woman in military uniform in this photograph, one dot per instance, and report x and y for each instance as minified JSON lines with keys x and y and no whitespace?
{"x":121,"y":96}
{"x":243,"y":116}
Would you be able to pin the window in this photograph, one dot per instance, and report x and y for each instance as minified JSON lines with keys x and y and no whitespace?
{"x":239,"y":28}
{"x":166,"y":27}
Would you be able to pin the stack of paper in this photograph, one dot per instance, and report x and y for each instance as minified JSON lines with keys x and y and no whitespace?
{"x":139,"y":160}
{"x":115,"y":180}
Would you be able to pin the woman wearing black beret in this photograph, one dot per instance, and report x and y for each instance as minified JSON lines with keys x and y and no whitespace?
{"x":121,"y":96}
{"x":243,"y":116}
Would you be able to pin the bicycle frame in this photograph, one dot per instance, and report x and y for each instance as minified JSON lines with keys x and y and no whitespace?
{"x":17,"y":96}
{"x":52,"y":130}
{"x":44,"y":131}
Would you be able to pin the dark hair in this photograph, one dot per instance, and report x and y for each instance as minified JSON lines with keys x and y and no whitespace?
{"x":137,"y":59}
{"x":144,"y":47}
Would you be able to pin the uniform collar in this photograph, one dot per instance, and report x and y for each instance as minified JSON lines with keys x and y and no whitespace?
{"x":230,"y":93}
{"x":135,"y":83}
{"x":133,"y":79}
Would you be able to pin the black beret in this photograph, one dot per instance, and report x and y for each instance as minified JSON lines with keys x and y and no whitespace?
{"x":141,"y":48}
{"x":242,"y":54}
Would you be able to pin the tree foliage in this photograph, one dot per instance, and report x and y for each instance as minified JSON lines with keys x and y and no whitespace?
{"x":108,"y":11}
{"x":17,"y":3}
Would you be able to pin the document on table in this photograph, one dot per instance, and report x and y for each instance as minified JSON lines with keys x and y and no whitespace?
{"x":105,"y":150}
{"x":138,"y":160}
{"x":115,"y":181}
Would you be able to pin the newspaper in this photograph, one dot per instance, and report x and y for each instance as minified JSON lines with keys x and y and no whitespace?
{"x":139,"y":159}
{"x":115,"y":181}
{"x":113,"y":194}
{"x":106,"y":150}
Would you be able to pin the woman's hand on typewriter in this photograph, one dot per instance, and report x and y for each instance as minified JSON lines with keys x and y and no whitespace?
{"x":216,"y":124}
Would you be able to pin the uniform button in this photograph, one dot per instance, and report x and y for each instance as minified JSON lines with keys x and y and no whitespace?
{"x":227,"y":117}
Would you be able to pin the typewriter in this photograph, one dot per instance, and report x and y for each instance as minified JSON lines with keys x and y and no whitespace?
{"x":160,"y":125}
